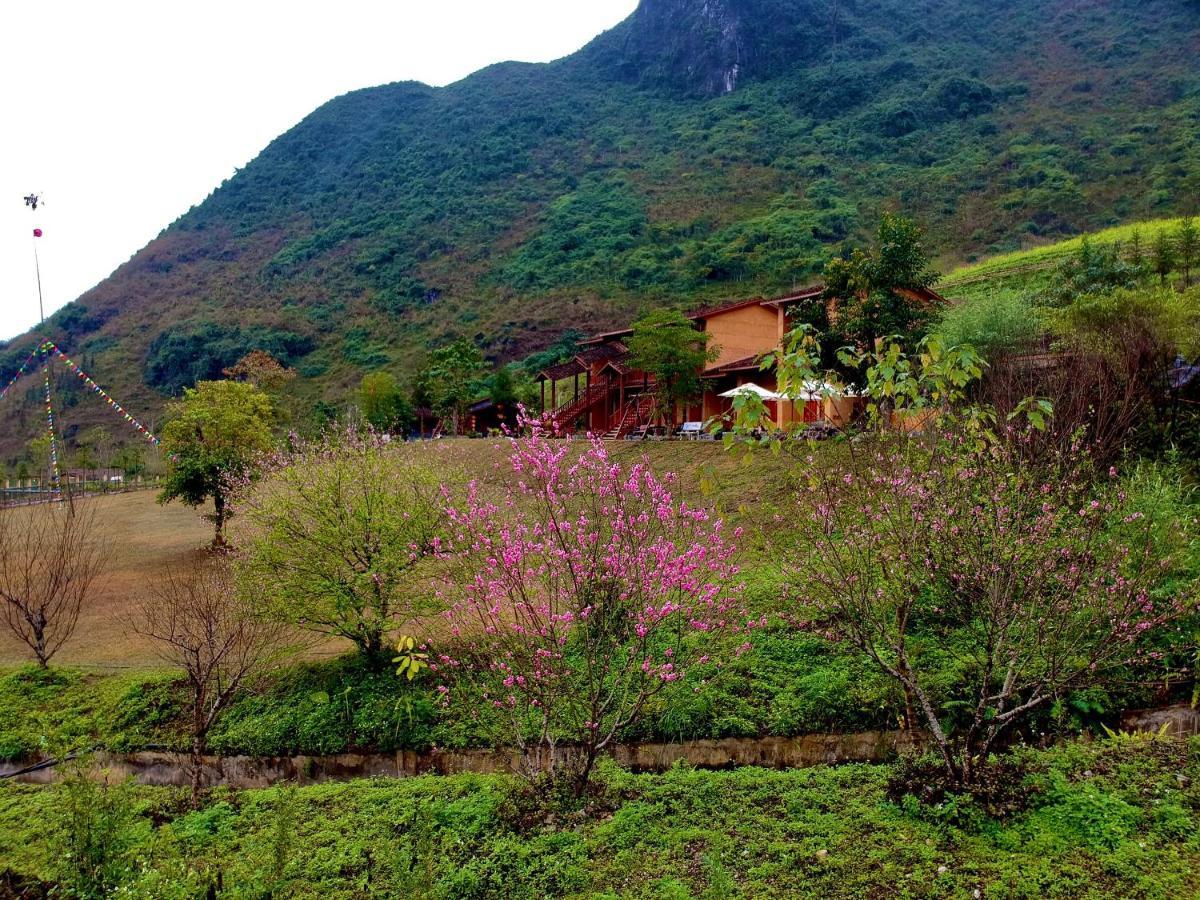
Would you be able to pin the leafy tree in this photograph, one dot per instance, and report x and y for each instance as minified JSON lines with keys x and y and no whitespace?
{"x":511,"y":387}
{"x":1164,"y":255}
{"x":451,"y":380}
{"x":131,"y":460}
{"x":1094,"y":270}
{"x":867,"y":292}
{"x":1188,"y":244}
{"x":261,"y":369}
{"x":382,"y":403}
{"x":966,"y":550}
{"x":667,"y":346}
{"x":211,"y":440}
{"x":952,"y":543}
{"x":334,"y":536}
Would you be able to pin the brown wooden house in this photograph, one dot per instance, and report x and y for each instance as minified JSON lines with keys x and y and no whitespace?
{"x":606,"y":396}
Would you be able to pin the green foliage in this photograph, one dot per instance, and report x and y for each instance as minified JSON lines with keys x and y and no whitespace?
{"x":335,"y":537}
{"x":1095,"y":269}
{"x":97,"y":830}
{"x":184,"y":355}
{"x":1164,"y":256}
{"x":993,"y":322}
{"x":330,"y":707}
{"x":451,"y":379}
{"x":669,"y":347}
{"x":581,"y":237}
{"x":382,"y":402}
{"x":870,"y":287}
{"x":1187,"y":243}
{"x":1096,"y":822}
{"x":213,"y":437}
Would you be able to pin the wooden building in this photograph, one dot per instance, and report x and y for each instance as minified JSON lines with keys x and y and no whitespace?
{"x":604,"y":395}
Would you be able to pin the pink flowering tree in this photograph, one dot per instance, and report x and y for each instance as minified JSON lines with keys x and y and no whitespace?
{"x":955,"y":550}
{"x":580,"y":595}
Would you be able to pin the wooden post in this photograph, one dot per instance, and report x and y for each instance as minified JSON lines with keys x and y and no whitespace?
{"x":554,"y":394}
{"x":543,"y":395}
{"x":576,"y":397}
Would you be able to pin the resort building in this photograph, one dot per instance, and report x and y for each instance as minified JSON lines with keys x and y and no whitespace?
{"x":599,"y":392}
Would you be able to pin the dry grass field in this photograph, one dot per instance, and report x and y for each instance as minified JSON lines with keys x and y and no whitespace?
{"x":148,"y":537}
{"x":145,"y":538}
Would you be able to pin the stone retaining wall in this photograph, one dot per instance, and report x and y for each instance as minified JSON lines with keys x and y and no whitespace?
{"x":161,"y":768}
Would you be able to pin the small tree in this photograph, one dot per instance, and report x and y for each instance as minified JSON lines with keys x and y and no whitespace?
{"x":204,"y":628}
{"x":581,"y":596}
{"x":1135,"y":253}
{"x":667,"y":346}
{"x":1188,"y":243}
{"x":335,"y":535}
{"x":1164,"y":255}
{"x":382,"y":403}
{"x":970,"y":552}
{"x":873,"y":294}
{"x":212,"y":439}
{"x":451,"y":380}
{"x":50,"y":559}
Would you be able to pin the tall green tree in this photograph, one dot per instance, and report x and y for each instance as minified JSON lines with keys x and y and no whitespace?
{"x":382,"y":402}
{"x":867,"y":294}
{"x":666,"y":345}
{"x":1164,"y":255}
{"x":211,"y":441}
{"x":1188,"y":243}
{"x":452,"y":380}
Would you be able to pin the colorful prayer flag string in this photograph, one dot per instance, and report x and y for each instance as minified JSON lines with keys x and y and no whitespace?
{"x":21,"y":371}
{"x":99,"y":391}
{"x":50,"y":420}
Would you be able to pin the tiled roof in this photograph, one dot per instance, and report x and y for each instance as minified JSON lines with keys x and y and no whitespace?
{"x":562,"y":370}
{"x":610,"y":350}
{"x":737,"y":365}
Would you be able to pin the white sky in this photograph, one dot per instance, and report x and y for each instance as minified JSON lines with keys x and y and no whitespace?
{"x":124,"y":113}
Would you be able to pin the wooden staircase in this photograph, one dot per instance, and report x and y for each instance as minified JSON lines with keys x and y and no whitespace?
{"x":566,"y":413}
{"x":637,"y":412}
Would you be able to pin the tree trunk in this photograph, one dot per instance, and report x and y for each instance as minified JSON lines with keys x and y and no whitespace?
{"x":219,"y":520}
{"x":197,"y":767}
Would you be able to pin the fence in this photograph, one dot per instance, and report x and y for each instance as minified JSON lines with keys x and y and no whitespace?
{"x":30,"y":491}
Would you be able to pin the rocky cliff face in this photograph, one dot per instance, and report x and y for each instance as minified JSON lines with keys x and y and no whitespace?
{"x":700,"y":43}
{"x":705,"y":48}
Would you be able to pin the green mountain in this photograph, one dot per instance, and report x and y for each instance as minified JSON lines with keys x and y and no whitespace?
{"x":701,"y":149}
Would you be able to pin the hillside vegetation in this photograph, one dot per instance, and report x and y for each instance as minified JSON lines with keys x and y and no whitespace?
{"x":1033,"y":269}
{"x":1114,"y":819}
{"x":642,"y":171}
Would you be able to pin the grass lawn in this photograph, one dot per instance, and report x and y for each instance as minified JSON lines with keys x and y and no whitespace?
{"x":147,"y":537}
{"x":1112,"y":819}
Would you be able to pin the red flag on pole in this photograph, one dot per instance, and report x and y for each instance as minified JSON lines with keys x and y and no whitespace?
{"x":37,"y":232}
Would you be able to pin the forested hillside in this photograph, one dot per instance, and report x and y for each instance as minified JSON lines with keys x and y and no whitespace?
{"x":696,"y":151}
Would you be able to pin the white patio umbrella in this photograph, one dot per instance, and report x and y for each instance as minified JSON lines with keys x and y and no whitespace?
{"x":751,"y":388}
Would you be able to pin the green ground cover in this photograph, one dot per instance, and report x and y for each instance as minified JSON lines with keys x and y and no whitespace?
{"x":1032,"y":270}
{"x":1116,"y":818}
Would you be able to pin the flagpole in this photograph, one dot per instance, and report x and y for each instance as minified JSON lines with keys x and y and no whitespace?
{"x":37,"y":267}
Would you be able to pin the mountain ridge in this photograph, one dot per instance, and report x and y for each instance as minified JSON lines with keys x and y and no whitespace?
{"x":642,"y":170}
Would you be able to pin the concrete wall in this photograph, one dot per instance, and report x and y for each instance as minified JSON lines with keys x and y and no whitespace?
{"x":748,"y":331}
{"x":245,"y":772}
